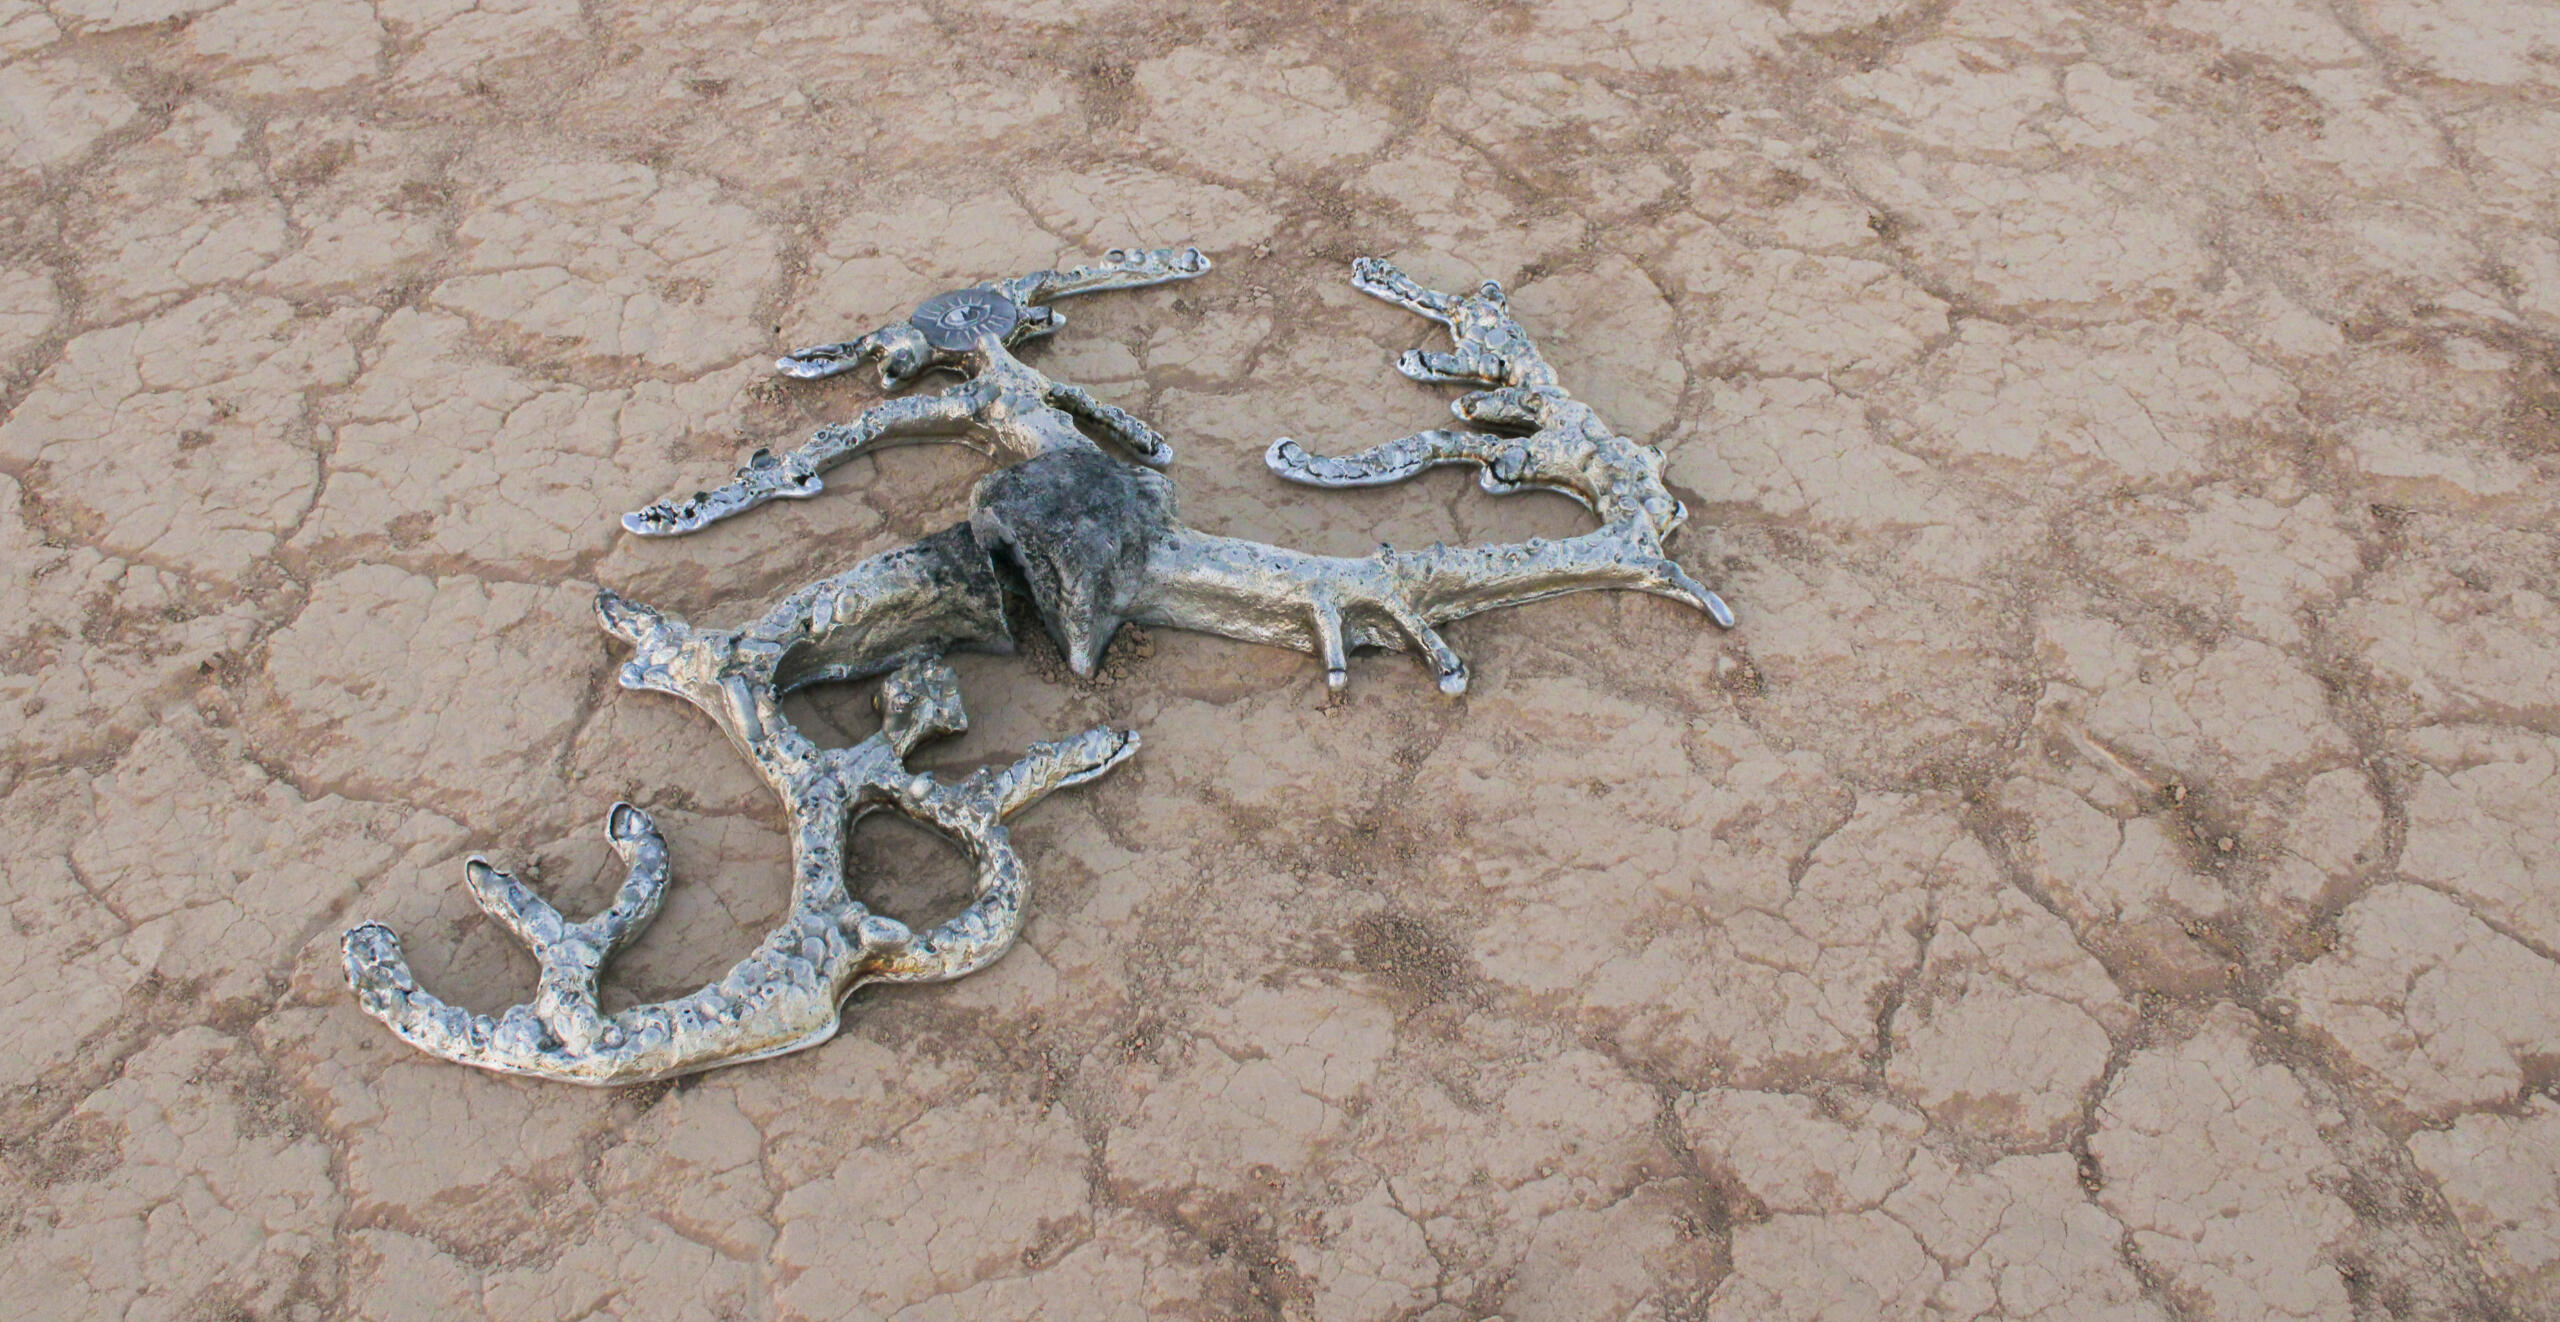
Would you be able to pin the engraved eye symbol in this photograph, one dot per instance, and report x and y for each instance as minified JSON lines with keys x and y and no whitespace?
{"x":954,"y":320}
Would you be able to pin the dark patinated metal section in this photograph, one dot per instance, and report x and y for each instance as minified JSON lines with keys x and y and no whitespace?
{"x":1078,"y":527}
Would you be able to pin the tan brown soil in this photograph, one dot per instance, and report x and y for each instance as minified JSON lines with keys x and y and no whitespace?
{"x":2111,"y":873}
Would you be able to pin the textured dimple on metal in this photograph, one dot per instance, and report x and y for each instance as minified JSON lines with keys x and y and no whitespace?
{"x":1091,"y":538}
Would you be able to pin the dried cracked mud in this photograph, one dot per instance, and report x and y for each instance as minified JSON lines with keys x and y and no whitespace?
{"x":2112,"y":872}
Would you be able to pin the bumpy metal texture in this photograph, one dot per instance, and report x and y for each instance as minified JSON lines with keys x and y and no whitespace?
{"x":1093,"y":539}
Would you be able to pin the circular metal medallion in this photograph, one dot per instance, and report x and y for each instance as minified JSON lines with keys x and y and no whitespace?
{"x":955,"y":320}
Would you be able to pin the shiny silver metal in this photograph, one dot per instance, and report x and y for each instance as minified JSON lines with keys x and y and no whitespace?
{"x":1093,"y":540}
{"x":785,"y":994}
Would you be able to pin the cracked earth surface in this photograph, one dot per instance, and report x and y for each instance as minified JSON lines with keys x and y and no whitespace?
{"x":2110,"y":874}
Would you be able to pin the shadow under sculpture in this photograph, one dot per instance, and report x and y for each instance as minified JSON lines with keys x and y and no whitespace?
{"x":1091,"y":537}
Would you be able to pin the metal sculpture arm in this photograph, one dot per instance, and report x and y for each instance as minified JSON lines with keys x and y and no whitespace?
{"x":1120,"y":426}
{"x":1326,"y":605}
{"x":943,"y":329}
{"x":767,"y":477}
{"x":987,"y":412}
{"x":897,"y":612}
{"x":1120,"y":268}
{"x":785,"y":994}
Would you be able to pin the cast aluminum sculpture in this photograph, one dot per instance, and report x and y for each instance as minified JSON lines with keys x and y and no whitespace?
{"x":1092,"y":539}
